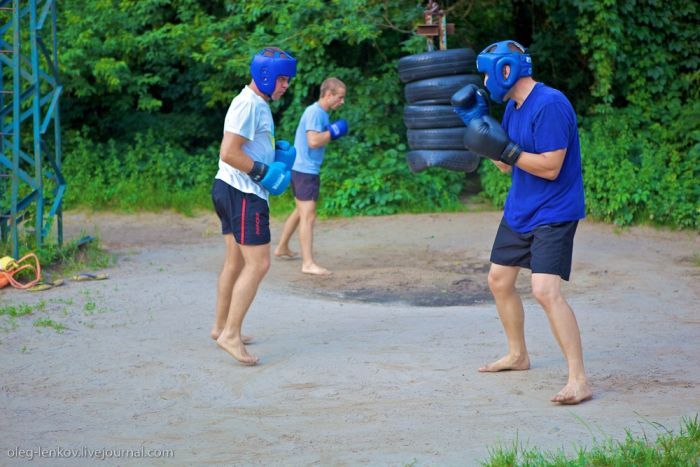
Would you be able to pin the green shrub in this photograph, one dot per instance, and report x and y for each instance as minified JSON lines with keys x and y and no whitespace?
{"x":172,"y":68}
{"x":384,"y":185}
{"x":495,"y":183}
{"x":637,"y":170}
{"x":146,"y":173}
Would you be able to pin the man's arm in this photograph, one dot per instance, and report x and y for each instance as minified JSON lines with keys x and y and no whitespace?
{"x":232,"y":152}
{"x":505,"y":168}
{"x":546,"y":165}
{"x":317,"y":139}
{"x":486,"y":137}
{"x":274,"y":178}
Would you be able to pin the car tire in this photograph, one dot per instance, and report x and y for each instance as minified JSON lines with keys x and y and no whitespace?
{"x":456,"y":160}
{"x":436,"y":138}
{"x":438,"y":90}
{"x":436,"y":63}
{"x":430,"y":116}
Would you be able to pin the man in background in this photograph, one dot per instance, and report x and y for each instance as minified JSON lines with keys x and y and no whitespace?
{"x":313,"y":134}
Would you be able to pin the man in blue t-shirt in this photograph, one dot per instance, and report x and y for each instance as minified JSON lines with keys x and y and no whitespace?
{"x":313,"y":134}
{"x":538,"y":143}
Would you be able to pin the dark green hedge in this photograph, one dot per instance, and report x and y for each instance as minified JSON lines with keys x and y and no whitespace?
{"x":148,"y":83}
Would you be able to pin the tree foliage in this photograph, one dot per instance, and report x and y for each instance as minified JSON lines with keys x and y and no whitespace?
{"x":162,"y":73}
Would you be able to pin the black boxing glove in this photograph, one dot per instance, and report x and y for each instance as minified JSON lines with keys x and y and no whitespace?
{"x":486,"y":137}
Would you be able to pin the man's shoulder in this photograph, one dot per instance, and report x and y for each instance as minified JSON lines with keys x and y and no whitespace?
{"x":550,"y":95}
{"x":313,"y":116}
{"x":314,"y":108}
{"x":248,"y":97}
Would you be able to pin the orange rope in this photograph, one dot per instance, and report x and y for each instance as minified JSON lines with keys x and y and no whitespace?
{"x":7,"y":277}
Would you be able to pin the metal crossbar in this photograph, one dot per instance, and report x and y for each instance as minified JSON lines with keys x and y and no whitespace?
{"x":30,"y":169}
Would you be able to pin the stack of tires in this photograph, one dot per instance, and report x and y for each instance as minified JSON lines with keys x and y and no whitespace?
{"x":435,"y":133}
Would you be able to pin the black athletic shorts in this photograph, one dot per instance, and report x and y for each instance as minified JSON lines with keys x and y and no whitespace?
{"x":547,"y":249}
{"x":306,"y":187}
{"x":245,"y":215}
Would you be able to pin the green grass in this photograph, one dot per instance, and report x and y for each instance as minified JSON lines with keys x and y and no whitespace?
{"x":10,"y":313}
{"x":15,"y":311}
{"x":132,"y":196}
{"x":69,"y":258}
{"x":56,"y":262}
{"x":282,"y":206}
{"x":667,"y":449}
{"x":49,"y":323}
{"x":74,"y":256}
{"x":696,"y":260}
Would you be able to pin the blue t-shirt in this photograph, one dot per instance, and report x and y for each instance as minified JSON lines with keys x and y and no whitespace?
{"x":309,"y":160}
{"x":545,"y":122}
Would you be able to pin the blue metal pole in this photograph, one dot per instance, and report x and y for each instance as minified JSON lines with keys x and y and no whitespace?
{"x":36,"y":123}
{"x":57,"y":116}
{"x":28,"y":101}
{"x":16,"y":77}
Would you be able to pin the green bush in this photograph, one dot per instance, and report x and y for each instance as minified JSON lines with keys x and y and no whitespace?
{"x":141,"y":73}
{"x":639,"y":170}
{"x":173,"y":68}
{"x":146,"y":173}
{"x":384,"y":185}
{"x":495,"y":184}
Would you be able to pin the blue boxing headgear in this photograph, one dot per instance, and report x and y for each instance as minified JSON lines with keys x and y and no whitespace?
{"x":269,"y":64}
{"x":494,"y":58}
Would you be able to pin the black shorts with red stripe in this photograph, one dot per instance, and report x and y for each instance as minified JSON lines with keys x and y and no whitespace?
{"x":245,"y":215}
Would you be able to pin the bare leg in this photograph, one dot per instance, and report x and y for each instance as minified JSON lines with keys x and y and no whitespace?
{"x":290,"y":225}
{"x":547,"y":290}
{"x":233,"y":263}
{"x":510,"y":310}
{"x":307,"y":213}
{"x":256,"y":263}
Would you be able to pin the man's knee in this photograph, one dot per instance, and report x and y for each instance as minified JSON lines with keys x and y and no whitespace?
{"x":547,"y":290}
{"x":500,"y":281}
{"x":264,"y":266}
{"x":232,"y":265}
{"x":256,"y":259}
{"x":259,"y":267}
{"x":308,"y":216}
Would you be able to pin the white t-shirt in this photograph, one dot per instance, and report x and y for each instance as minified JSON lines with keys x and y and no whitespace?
{"x":249,"y":116}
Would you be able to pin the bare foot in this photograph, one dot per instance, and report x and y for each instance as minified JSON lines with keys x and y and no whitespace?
{"x":573,"y":393}
{"x":316,"y":270}
{"x":216,"y":332}
{"x":507,"y":363}
{"x":285,"y":253}
{"x":237,"y":350}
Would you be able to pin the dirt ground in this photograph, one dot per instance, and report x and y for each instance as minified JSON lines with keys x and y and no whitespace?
{"x":373,"y":365}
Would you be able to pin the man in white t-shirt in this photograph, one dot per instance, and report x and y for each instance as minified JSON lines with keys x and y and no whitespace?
{"x":248,"y":172}
{"x":314,"y":132}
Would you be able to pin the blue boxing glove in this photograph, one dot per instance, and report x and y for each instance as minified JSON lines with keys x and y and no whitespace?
{"x":285,"y":153}
{"x":470,"y":103}
{"x":338,"y":129}
{"x":275,"y":177}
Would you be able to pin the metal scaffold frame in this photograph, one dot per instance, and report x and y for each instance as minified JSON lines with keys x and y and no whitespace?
{"x":30,"y":169}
